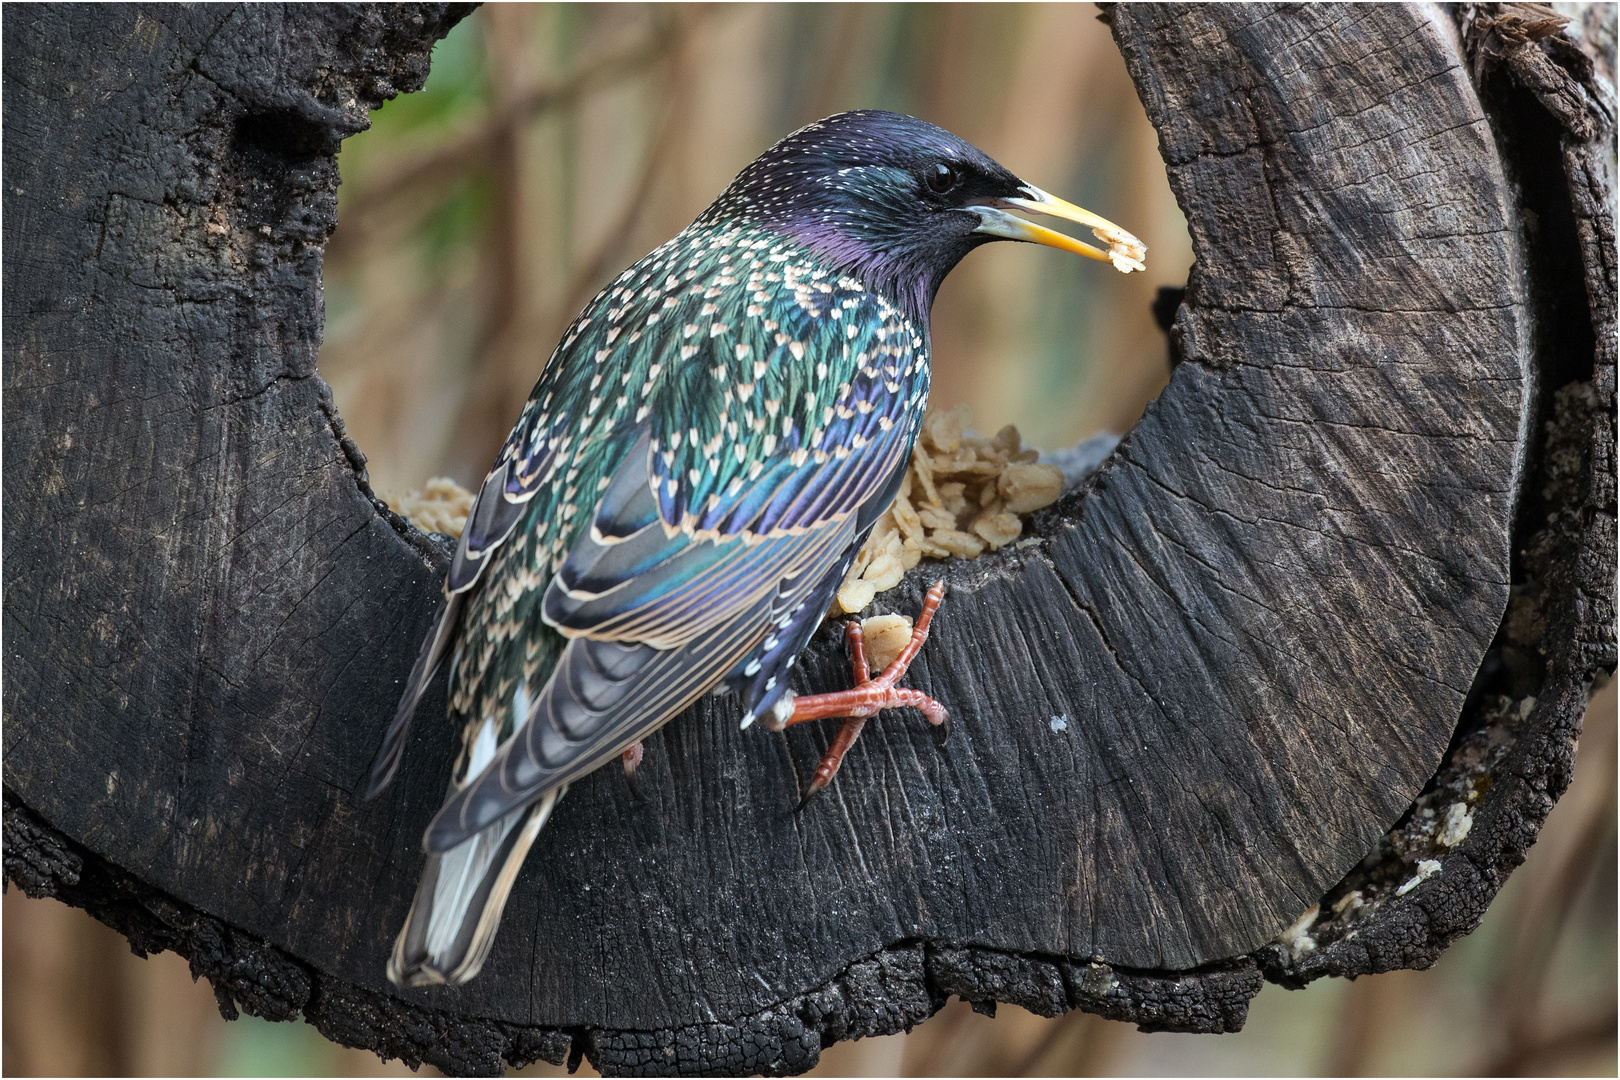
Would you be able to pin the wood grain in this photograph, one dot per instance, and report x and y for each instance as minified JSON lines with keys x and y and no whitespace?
{"x":1258,"y":628}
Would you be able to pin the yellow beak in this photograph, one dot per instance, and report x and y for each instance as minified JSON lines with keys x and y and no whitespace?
{"x":1125,"y":251}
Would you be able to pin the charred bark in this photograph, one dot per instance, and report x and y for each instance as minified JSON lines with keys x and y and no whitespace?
{"x":1319,"y":634}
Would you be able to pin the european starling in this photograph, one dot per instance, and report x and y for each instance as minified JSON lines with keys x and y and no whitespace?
{"x":688,"y":484}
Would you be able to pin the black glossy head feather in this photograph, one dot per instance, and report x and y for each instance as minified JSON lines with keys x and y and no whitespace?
{"x":880,"y":195}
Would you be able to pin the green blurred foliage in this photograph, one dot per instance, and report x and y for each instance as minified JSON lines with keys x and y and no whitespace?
{"x":255,"y":1047}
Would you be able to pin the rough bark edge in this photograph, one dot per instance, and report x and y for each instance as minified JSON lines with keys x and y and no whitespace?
{"x":1509,"y":762}
{"x":249,"y":974}
{"x":892,"y":990}
{"x":435,"y":549}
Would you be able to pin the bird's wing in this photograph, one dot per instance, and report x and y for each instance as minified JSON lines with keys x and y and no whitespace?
{"x":495,"y":513}
{"x":695,"y":550}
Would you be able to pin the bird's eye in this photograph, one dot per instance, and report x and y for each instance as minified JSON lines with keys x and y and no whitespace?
{"x":941,"y":178}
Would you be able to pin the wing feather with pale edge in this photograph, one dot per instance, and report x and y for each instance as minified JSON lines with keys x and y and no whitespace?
{"x":655,"y":616}
{"x":743,"y":490}
{"x":495,"y":513}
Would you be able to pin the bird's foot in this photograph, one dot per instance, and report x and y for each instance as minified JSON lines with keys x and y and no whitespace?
{"x":632,"y":758}
{"x":869,"y":696}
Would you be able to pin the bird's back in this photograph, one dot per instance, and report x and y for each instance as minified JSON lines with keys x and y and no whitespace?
{"x":770,"y":393}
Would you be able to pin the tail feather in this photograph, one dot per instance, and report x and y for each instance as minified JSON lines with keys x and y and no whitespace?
{"x":427,"y":663}
{"x":458,"y":904}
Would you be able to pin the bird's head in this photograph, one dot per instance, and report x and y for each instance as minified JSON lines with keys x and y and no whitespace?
{"x":898,"y":202}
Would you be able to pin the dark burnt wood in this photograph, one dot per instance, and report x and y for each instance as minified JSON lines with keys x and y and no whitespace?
{"x":1266,"y":624}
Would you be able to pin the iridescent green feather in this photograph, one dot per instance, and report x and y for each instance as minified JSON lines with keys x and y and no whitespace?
{"x":743,"y":359}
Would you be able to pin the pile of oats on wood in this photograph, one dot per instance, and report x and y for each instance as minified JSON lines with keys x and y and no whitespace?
{"x":962,"y":494}
{"x":441,"y":506}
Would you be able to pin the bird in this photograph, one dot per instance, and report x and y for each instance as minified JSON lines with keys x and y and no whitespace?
{"x":683,"y":492}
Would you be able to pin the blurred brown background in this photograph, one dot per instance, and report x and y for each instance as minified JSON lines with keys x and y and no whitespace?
{"x":552,"y":147}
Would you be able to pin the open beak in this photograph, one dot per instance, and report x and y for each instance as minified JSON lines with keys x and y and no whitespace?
{"x":1125,"y":251}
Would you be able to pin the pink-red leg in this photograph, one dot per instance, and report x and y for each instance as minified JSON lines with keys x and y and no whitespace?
{"x":850,"y":729}
{"x":632,"y":758}
{"x":869,"y":696}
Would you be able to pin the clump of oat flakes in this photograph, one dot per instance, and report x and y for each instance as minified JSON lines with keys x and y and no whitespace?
{"x":886,"y":636}
{"x":441,"y":506}
{"x":962,"y":493}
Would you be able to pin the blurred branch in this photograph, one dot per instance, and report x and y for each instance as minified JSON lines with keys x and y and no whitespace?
{"x":1528,"y":1059}
{"x":1077,"y":1061}
{"x":1551,"y":920}
{"x":452,"y":156}
{"x":1357,"y":1029}
{"x":504,"y":246}
{"x":503,"y":361}
{"x":934,"y":1048}
{"x":849,"y":23}
{"x":1521,"y":986}
{"x":446,"y":161}
{"x":587,"y":278}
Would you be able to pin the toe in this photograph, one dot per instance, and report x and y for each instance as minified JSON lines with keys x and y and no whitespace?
{"x":632,"y":758}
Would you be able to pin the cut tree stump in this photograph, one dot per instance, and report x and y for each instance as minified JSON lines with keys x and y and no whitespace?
{"x":1318,"y":637}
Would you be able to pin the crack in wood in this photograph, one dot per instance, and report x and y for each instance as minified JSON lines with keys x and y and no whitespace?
{"x":234,"y":631}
